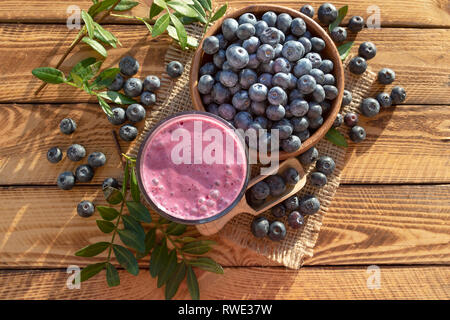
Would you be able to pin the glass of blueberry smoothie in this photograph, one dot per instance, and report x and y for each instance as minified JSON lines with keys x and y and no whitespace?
{"x":192,"y":167}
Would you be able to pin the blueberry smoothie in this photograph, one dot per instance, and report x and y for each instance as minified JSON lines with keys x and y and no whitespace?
{"x":193,"y":167}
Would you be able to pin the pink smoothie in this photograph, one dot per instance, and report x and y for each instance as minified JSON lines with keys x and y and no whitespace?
{"x":198,"y":181}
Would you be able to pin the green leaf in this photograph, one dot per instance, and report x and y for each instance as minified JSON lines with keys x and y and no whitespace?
{"x":76,"y":79}
{"x":186,"y":240}
{"x":112,"y":276}
{"x":106,"y":109}
{"x":182,"y":8}
{"x":201,"y":14}
{"x":131,"y":224}
{"x":49,"y":75}
{"x":161,"y":25}
{"x":206,"y":4}
{"x":108,"y":213}
{"x":126,"y":176}
{"x":131,"y":239}
{"x":168,"y":269}
{"x":112,"y":195}
{"x":156,"y":258}
{"x":126,"y":259}
{"x":97,"y":46}
{"x":149,"y":27}
{"x":93,"y":249}
{"x":89,"y":23}
{"x":174,"y":281}
{"x":91,"y":270}
{"x":155,"y":10}
{"x":160,"y":3}
{"x":116,"y":97}
{"x":219,"y":13}
{"x":105,"y":226}
{"x":207,"y":264}
{"x":198,"y":247}
{"x":335,"y":137}
{"x":192,"y":284}
{"x":181,"y":31}
{"x":150,"y":238}
{"x":125,"y":5}
{"x":105,"y":79}
{"x":135,"y":192}
{"x":101,"y":6}
{"x":175,"y":229}
{"x":344,"y":49}
{"x":86,"y":69}
{"x":342,"y":12}
{"x":162,"y":220}
{"x":139,"y":211}
{"x":105,"y":36}
{"x":191,"y":41}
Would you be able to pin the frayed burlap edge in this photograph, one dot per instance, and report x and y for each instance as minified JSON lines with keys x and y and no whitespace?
{"x":174,"y":97}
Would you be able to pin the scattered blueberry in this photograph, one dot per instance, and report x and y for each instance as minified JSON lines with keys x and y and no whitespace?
{"x":117,"y":84}
{"x":67,"y":126}
{"x":398,"y":95}
{"x":327,"y":13}
{"x":356,"y":24}
{"x":291,"y":144}
{"x":357,"y":134}
{"x":152,"y":83}
{"x":175,"y":69}
{"x":338,"y":121}
{"x":346,"y":98}
{"x":384,"y":100}
{"x":326,"y":165}
{"x":96,"y":159}
{"x":386,"y":76}
{"x":318,"y":179}
{"x":295,"y":220}
{"x":133,"y":87}
{"x":85,"y":209}
{"x":367,"y":50}
{"x":110,"y":182}
{"x":351,"y":119}
{"x":135,"y":112}
{"x":309,"y":205}
{"x":277,"y":231}
{"x":148,"y":98}
{"x":260,"y":190}
{"x":291,"y":203}
{"x":278,"y":211}
{"x":308,"y":10}
{"x":54,"y":155}
{"x":370,"y":107}
{"x":118,"y":116}
{"x":84,"y":173}
{"x":291,"y":176}
{"x":76,"y":152}
{"x":357,"y":65}
{"x":260,"y":227}
{"x":309,"y":156}
{"x":338,"y":34}
{"x":128,"y":66}
{"x":128,"y":132}
{"x":66,"y":180}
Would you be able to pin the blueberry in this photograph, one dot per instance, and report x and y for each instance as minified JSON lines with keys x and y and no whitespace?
{"x":308,"y":10}
{"x":298,"y":27}
{"x":235,"y":89}
{"x":210,"y":45}
{"x":307,"y":34}
{"x":270,"y":36}
{"x":148,"y":98}
{"x":351,"y":119}
{"x":128,"y":66}
{"x":318,"y":94}
{"x":331,"y":92}
{"x":309,"y":205}
{"x":84,"y":173}
{"x":317,"y":44}
{"x":281,"y":65}
{"x":278,"y":211}
{"x":260,"y":190}
{"x":110,"y":182}
{"x":318,"y":179}
{"x":258,"y":108}
{"x":54,"y":155}
{"x":338,"y":121}
{"x":227,"y":111}
{"x":247,"y":18}
{"x":247,"y":77}
{"x":367,"y":50}
{"x":207,"y":99}
{"x":316,"y":122}
{"x":220,"y":94}
{"x":133,"y":87}
{"x":291,"y":37}
{"x":262,"y":121}
{"x":318,"y":75}
{"x":245,"y":31}
{"x":206,"y":83}
{"x":346,"y":98}
{"x":299,"y":108}
{"x":356,"y":23}
{"x":222,"y":41}
{"x":306,"y":84}
{"x":118,"y":116}
{"x":275,"y":112}
{"x":270,"y":18}
{"x":326,"y":66}
{"x":284,"y":22}
{"x":309,"y":156}
{"x":357,"y":134}
{"x":152,"y":83}
{"x":386,"y":76}
{"x":295,"y":94}
{"x":306,"y":43}
{"x":242,"y":120}
{"x":384,"y":100}
{"x":282,"y":37}
{"x":254,"y":202}
{"x":128,"y":132}
{"x":329,"y":79}
{"x":357,"y":65}
{"x":292,"y":84}
{"x":326,"y":106}
{"x":300,"y":124}
{"x":260,"y":26}
{"x":326,"y":165}
{"x":67,"y":126}
{"x":117,"y":84}
{"x":277,"y":96}
{"x":277,"y":231}
{"x":293,"y":50}
{"x":265,"y":79}
{"x":258,"y":92}
{"x":291,"y":144}
{"x":303,"y":66}
{"x":96,"y":159}
{"x":291,"y":203}
{"x":282,"y":80}
{"x":266,"y":67}
{"x":285,"y":128}
{"x":260,"y":227}
{"x":303,"y":135}
{"x":327,"y":13}
{"x":237,"y":57}
{"x":265,"y":53}
{"x":398,"y":95}
{"x":213,"y":108}
{"x":208,"y":68}
{"x":228,"y":78}
{"x":66,"y":180}
{"x":85,"y":209}
{"x":229,"y":28}
{"x":291,"y":176}
{"x":241,"y":100}
{"x":219,"y":58}
{"x":276,"y":184}
{"x":338,"y":34}
{"x":76,"y":152}
{"x":251,"y":44}
{"x":253,"y":62}
{"x":175,"y":69}
{"x":315,"y":58}
{"x":135,"y":112}
{"x":369,"y":107}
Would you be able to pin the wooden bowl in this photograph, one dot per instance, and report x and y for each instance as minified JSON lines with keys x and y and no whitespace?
{"x":330,"y":52}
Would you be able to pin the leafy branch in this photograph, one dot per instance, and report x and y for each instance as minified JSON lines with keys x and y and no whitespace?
{"x":172,"y":256}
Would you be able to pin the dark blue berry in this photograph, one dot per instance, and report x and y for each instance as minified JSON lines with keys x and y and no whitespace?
{"x":291,"y":203}
{"x":346,"y":98}
{"x":315,"y":58}
{"x":351,"y":119}
{"x":219,"y":58}
{"x":318,"y":93}
{"x":135,"y":112}
{"x":277,"y":96}
{"x":285,"y":128}
{"x":327,"y":13}
{"x":281,"y":80}
{"x":237,"y":57}
{"x":110,"y":182}
{"x":367,"y":50}
{"x":309,"y":205}
{"x":228,"y":78}
{"x":338,"y":34}
{"x":260,"y":26}
{"x":276,"y":184}
{"x":329,"y":79}
{"x":306,"y":84}
{"x":117,"y":84}
{"x":247,"y":18}
{"x":54,"y":155}
{"x":293,"y":50}
{"x":291,"y":176}
{"x":277,"y":231}
{"x":284,"y":22}
{"x":281,"y":65}
{"x":303,"y":66}
{"x":300,"y":124}
{"x":245,"y":31}
{"x":251,"y":44}
{"x":309,"y":156}
{"x":208,"y":68}
{"x":260,"y":190}
{"x":241,"y":100}
{"x":128,"y":132}
{"x":386,"y":76}
{"x":331,"y":92}
{"x":295,"y":220}
{"x":308,"y":10}
{"x":152,"y":83}
{"x":229,"y":28}
{"x":357,"y":65}
{"x":220,"y":94}
{"x":206,"y":83}
{"x":265,"y":53}
{"x":118,"y":116}
{"x":270,"y":36}
{"x":384,"y":100}
{"x":148,"y":98}
{"x":298,"y":27}
{"x":242,"y":120}
{"x":213,"y":108}
{"x":291,"y":144}
{"x":326,"y":66}
{"x":356,"y":24}
{"x":357,"y":134}
{"x":303,"y":135}
{"x":128,"y":66}
{"x":369,"y":107}
{"x":318,"y":179}
{"x":299,"y":108}
{"x":398,"y":95}
{"x":67,"y":126}
{"x":133,"y":87}
{"x":265,"y":79}
{"x":258,"y":92}
{"x":210,"y":45}
{"x":318,"y":75}
{"x":76,"y":152}
{"x":258,"y":108}
{"x":260,"y":227}
{"x":175,"y":69}
{"x":315,"y":123}
{"x":227,"y":111}
{"x":84,"y":173}
{"x":66,"y":180}
{"x":278,"y":211}
{"x":338,"y":121}
{"x":317,"y":44}
{"x":275,"y":112}
{"x":253,"y":62}
{"x":85,"y":209}
{"x":270,"y":18}
{"x":247,"y":77}
{"x":306,"y":43}
{"x":326,"y":165}
{"x":96,"y":159}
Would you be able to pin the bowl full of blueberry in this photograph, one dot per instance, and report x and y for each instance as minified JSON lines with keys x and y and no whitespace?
{"x":270,"y":67}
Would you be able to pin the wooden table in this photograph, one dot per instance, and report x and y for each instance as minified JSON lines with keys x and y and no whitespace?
{"x":392,"y":209}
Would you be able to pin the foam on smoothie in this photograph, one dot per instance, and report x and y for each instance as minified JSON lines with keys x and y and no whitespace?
{"x":198,"y":189}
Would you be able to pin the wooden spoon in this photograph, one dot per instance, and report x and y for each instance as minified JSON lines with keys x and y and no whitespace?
{"x":242,"y":206}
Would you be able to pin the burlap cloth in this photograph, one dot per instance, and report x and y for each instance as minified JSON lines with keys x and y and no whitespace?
{"x":174,"y":96}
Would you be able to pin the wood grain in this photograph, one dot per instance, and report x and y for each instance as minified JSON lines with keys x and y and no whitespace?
{"x":364,"y":225}
{"x":336,"y":283}
{"x":420,"y":59}
{"x":393,"y":13}
{"x":28,"y":131}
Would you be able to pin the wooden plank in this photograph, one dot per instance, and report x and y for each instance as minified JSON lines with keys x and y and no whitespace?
{"x":364,"y":225}
{"x":420,"y":59}
{"x":28,"y":131}
{"x":393,"y":13}
{"x":341,"y":283}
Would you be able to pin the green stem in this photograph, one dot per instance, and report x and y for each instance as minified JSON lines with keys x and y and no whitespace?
{"x":173,"y":243}
{"x":115,"y":230}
